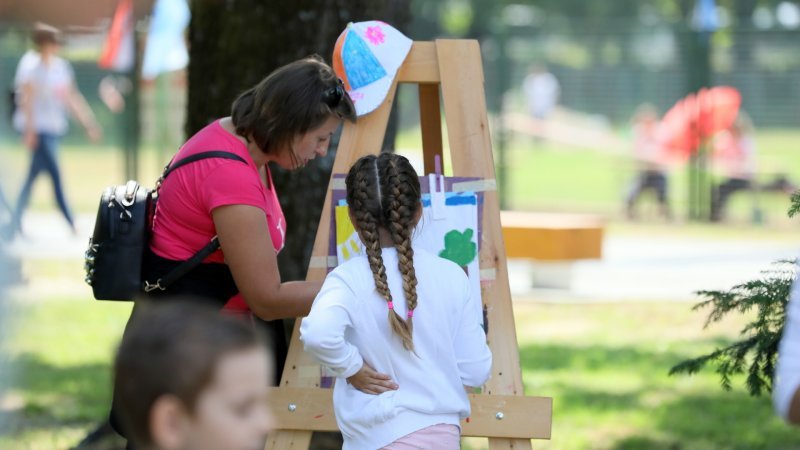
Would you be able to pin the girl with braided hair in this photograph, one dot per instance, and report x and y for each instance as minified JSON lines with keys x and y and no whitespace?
{"x":394,"y":325}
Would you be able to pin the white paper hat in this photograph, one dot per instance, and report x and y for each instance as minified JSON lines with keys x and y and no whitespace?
{"x":366,"y":57}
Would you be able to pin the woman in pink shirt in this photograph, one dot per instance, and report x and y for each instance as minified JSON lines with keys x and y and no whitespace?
{"x":288,"y":119}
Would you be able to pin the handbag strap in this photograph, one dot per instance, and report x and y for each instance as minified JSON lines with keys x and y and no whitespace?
{"x":186,"y":266}
{"x":183,"y":268}
{"x":169,"y":168}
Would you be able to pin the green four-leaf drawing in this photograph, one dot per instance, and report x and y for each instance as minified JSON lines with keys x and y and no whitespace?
{"x":459,"y":248}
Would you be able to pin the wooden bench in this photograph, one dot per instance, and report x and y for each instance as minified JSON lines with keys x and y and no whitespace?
{"x":552,"y":242}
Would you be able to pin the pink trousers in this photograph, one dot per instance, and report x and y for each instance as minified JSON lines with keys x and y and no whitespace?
{"x":438,"y":437}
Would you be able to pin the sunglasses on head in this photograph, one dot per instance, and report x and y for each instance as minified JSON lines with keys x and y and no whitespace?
{"x":333,"y":96}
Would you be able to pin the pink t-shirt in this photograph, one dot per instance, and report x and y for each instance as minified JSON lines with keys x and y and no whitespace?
{"x":183,"y":225}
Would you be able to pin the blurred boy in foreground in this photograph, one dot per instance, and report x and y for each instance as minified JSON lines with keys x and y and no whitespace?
{"x":190,"y":378}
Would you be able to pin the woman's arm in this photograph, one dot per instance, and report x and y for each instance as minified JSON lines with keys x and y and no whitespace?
{"x":26,"y":103}
{"x":81,"y":110}
{"x":245,"y":240}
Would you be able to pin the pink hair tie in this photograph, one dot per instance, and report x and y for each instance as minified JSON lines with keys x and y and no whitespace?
{"x":391,"y":306}
{"x":410,"y":313}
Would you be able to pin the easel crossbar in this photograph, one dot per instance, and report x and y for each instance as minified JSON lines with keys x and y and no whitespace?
{"x":499,"y":416}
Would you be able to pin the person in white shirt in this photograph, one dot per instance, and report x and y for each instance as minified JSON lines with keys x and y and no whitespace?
{"x":46,"y":93}
{"x":395,"y":325}
{"x":542,"y":90}
{"x":786,"y":386}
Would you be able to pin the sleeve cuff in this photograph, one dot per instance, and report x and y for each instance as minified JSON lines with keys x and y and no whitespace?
{"x":353,"y":365}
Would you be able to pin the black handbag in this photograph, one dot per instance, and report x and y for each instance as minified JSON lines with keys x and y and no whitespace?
{"x":117,"y":248}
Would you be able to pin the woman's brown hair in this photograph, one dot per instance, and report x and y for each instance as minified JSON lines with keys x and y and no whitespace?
{"x":383,"y":192}
{"x":290,"y":101}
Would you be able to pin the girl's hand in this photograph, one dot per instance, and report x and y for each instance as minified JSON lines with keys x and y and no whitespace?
{"x":368,"y":381}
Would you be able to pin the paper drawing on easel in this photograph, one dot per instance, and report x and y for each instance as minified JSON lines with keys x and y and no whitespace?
{"x":348,"y":243}
{"x":448,"y":237}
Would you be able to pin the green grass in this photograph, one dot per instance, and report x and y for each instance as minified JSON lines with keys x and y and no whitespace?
{"x":539,"y":177}
{"x":605,"y":366}
{"x":85,"y":171}
{"x":59,"y":352}
{"x":558,"y":178}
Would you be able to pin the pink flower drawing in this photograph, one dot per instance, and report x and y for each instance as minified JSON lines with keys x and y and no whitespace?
{"x":356,"y":96}
{"x":375,"y":35}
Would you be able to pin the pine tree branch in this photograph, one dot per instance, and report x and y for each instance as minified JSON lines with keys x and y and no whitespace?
{"x":755,"y":352}
{"x":795,"y":208}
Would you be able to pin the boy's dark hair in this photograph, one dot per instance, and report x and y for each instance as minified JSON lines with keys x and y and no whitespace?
{"x":171,"y":349}
{"x":292,"y":100}
{"x":383,"y":191}
{"x":45,"y":34}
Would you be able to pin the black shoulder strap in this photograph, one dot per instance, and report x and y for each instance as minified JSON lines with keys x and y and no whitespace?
{"x":202,"y":155}
{"x":164,"y":282}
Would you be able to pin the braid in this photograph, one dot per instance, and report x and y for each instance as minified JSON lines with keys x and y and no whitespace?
{"x":363,"y":206}
{"x":383,"y":191}
{"x":402,"y":196}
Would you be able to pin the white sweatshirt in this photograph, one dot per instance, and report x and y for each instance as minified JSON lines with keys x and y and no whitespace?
{"x":787,"y":372}
{"x":349,"y":324}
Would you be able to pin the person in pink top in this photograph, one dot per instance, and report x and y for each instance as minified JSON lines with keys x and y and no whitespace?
{"x":735,"y":158}
{"x":651,"y":161}
{"x":288,"y":119}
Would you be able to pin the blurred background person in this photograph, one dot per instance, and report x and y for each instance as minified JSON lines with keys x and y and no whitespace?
{"x":542,"y":91}
{"x":651,"y":162}
{"x":735,"y":158}
{"x":46,"y":92}
{"x":734,"y":155}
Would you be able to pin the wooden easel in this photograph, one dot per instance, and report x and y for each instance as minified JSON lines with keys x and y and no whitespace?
{"x":502,"y":412}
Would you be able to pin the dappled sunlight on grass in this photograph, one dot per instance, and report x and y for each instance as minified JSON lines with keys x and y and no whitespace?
{"x":610,"y":387}
{"x":60,"y":354}
{"x":605,"y":365}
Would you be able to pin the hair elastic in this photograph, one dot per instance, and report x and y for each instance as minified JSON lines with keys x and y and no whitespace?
{"x":391,"y":305}
{"x":410,"y":313}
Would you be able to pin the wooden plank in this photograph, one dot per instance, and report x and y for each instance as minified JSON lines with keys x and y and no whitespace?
{"x":355,"y":142}
{"x":522,"y":417}
{"x":547,"y":244}
{"x":471,"y":154}
{"x":420,"y":64}
{"x":430,"y":123}
{"x":552,"y":237}
{"x":550,"y":220}
{"x":313,"y":409}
